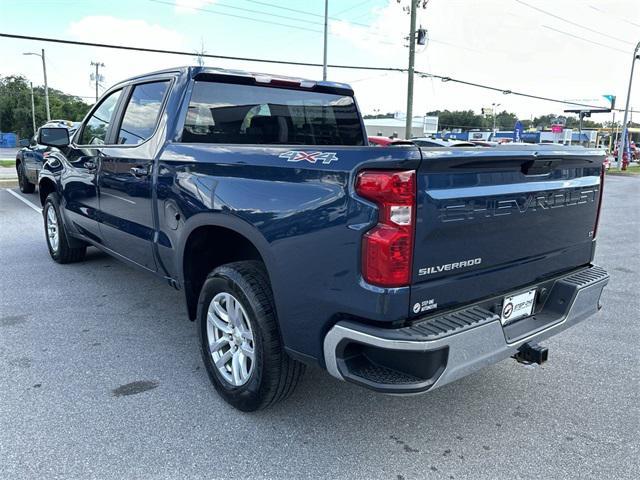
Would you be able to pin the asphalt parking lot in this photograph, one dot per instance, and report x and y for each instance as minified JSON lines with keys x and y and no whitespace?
{"x":75,"y":338}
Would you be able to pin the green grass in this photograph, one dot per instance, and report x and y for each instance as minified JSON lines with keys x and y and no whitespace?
{"x":631,"y":170}
{"x":7,"y":163}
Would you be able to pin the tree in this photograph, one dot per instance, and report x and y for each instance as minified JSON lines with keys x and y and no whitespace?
{"x":463,"y":119}
{"x":505,"y":120}
{"x":15,"y":106}
{"x":545,"y":121}
{"x":574,"y":122}
{"x":380,"y":115}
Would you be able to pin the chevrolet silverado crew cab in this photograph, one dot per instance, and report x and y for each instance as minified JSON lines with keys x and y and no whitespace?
{"x":400,"y":268}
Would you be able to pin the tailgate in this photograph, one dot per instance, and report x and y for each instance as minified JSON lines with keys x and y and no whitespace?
{"x":490,"y":221}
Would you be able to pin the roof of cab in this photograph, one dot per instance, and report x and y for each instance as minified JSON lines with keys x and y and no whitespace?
{"x":193,"y":71}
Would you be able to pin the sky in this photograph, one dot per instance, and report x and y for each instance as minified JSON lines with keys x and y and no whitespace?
{"x":565,"y":49}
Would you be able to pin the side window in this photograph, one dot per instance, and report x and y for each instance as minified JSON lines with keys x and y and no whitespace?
{"x":142,"y":112}
{"x":95,"y":130}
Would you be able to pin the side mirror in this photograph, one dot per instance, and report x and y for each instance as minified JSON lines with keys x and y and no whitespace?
{"x":53,"y":137}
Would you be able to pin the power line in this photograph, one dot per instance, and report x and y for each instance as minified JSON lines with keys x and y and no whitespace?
{"x":558,"y":17}
{"x":562,"y":32}
{"x":353,"y":7}
{"x":270,"y":22}
{"x":304,"y":12}
{"x":297,"y":27}
{"x":512,"y":92}
{"x":614,"y":16}
{"x":303,"y":64}
{"x":374,"y":37}
{"x":191,"y":54}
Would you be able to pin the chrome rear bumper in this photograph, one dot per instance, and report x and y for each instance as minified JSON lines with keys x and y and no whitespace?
{"x":449,"y":346}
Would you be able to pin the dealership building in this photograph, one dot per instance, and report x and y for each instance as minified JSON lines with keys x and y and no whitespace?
{"x":395,"y":127}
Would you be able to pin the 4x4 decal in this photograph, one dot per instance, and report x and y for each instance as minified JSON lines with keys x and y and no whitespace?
{"x":311,"y":157}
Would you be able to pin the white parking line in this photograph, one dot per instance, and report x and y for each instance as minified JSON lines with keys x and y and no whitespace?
{"x":24,"y":200}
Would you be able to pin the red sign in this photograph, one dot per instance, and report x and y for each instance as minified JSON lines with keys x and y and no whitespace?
{"x":556,"y":128}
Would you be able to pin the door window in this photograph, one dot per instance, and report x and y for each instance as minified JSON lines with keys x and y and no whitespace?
{"x":95,"y":130}
{"x":142,"y":113}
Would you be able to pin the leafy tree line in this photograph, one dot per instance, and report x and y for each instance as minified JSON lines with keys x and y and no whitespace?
{"x":468,"y":119}
{"x":15,"y":106}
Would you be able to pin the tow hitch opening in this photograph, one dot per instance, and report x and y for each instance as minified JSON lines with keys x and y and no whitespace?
{"x":532,"y":353}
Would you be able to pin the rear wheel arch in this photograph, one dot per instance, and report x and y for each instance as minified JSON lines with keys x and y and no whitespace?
{"x":209,"y":245}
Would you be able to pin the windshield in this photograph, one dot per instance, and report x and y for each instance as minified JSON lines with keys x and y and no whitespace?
{"x":249,"y":114}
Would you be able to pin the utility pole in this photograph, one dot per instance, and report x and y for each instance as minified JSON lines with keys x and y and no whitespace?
{"x":326,"y":22}
{"x":33,"y":109}
{"x":46,"y":85}
{"x":412,"y":59}
{"x":96,"y":76}
{"x":626,"y":110}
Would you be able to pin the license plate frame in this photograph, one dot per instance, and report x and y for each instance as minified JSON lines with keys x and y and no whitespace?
{"x":517,"y":305}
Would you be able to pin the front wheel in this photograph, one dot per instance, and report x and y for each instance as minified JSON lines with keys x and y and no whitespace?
{"x":57,"y":237}
{"x":23,"y":182}
{"x":240,"y":340}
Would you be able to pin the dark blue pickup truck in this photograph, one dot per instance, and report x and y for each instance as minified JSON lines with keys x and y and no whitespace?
{"x":398,"y":268}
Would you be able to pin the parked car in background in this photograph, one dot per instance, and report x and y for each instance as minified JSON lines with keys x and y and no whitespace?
{"x":484,"y":143}
{"x":30,"y":158}
{"x":378,"y":141}
{"x":440,"y":142}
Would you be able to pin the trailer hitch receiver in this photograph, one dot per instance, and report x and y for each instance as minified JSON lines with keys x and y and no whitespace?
{"x":532,"y":353}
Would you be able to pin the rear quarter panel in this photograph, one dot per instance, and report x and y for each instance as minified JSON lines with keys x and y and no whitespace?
{"x":302,"y":217}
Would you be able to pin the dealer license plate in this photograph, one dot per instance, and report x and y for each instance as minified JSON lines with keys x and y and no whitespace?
{"x":517,"y":306}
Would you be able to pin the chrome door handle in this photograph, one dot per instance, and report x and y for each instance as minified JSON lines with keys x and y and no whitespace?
{"x":139,"y":171}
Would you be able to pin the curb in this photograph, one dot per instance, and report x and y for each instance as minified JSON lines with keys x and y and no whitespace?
{"x":8,"y":183}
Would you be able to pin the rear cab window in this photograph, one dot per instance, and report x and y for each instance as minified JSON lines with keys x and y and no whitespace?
{"x":253,"y":114}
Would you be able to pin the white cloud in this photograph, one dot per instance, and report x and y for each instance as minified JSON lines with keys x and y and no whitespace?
{"x":121,"y":64}
{"x":127,"y":31}
{"x":383,"y":38}
{"x":191,"y":6}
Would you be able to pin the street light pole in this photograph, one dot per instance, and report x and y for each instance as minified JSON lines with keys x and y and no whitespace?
{"x":626,"y":109}
{"x":494,"y":105}
{"x":33,"y":109}
{"x":408,"y":133}
{"x":46,"y":85}
{"x":326,"y":22}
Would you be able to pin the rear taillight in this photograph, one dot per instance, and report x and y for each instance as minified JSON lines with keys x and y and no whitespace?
{"x":387,"y":249}
{"x":600,"y":192}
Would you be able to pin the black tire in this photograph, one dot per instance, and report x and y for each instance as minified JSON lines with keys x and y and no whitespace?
{"x":23,"y":182}
{"x":63,"y":252}
{"x":274,"y":374}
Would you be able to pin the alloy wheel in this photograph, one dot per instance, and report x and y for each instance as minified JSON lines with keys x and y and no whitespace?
{"x":53,"y":235}
{"x":230,"y":339}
